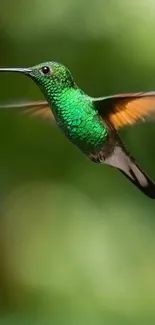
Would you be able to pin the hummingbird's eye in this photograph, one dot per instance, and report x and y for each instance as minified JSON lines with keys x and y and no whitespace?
{"x":45,"y":70}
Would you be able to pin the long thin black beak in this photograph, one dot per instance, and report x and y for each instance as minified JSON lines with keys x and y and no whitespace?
{"x":19,"y":70}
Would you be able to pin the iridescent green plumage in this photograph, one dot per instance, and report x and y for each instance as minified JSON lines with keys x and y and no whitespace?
{"x":91,"y":123}
{"x":78,"y":118}
{"x":74,"y":112}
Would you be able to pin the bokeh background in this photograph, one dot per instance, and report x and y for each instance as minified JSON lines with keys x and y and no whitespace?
{"x":77,"y":240}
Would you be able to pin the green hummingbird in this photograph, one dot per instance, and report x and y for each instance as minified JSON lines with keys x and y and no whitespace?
{"x":90,"y":123}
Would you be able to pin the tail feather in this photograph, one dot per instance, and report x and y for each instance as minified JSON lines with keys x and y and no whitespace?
{"x":130,"y":169}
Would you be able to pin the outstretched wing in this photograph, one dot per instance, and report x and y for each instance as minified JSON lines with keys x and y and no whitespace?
{"x":39,"y":109}
{"x":126,"y":109}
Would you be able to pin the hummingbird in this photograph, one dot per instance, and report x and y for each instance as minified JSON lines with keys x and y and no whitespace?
{"x":92,"y":124}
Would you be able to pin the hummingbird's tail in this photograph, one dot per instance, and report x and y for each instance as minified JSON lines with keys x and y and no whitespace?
{"x":129,"y":167}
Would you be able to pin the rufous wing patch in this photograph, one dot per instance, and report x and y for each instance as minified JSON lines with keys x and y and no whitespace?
{"x":126,"y":109}
{"x":129,"y":112}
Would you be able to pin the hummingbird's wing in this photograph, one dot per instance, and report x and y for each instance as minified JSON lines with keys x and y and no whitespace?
{"x":39,"y":109}
{"x":127,"y":165}
{"x":126,"y":109}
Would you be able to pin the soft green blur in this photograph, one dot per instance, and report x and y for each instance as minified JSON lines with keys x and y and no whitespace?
{"x":77,"y":240}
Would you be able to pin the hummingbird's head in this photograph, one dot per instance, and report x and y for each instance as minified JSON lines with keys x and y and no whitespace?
{"x":51,"y":77}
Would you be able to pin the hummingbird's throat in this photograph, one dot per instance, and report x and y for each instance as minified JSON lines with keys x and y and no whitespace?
{"x":74,"y":112}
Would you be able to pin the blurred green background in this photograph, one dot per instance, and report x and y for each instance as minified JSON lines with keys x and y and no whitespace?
{"x":77,"y":240}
